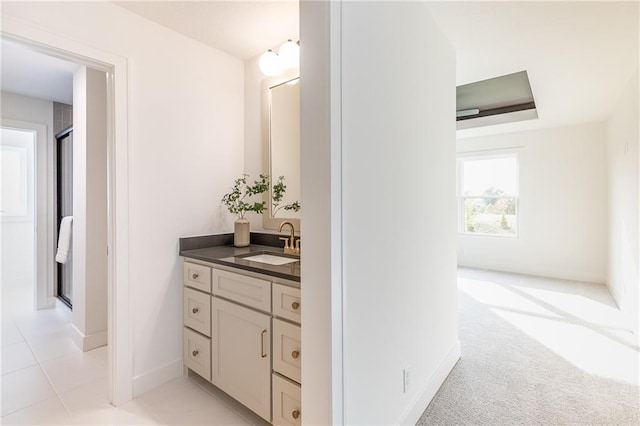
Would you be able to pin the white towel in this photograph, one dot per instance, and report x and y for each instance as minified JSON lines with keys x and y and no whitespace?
{"x":64,"y":240}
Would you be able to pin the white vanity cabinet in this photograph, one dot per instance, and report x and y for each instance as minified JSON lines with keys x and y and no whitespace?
{"x":242,"y":333}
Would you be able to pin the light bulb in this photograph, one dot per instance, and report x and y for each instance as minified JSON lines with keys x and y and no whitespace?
{"x":289,"y":54}
{"x":269,"y":63}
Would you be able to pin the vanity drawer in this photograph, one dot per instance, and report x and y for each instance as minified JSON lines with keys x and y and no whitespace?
{"x":196,"y":311}
{"x":286,"y":302}
{"x":287,"y":409}
{"x":197,"y":276}
{"x":196,"y":353}
{"x":287,"y":356}
{"x":249,"y":291}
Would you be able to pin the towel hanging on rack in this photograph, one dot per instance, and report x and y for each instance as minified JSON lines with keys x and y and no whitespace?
{"x":64,"y":240}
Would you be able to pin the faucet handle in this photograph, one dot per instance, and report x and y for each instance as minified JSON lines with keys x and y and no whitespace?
{"x":298,"y":246}
{"x":286,"y":242}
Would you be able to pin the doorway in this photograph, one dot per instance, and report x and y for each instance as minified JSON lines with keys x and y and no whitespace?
{"x":120,"y":379}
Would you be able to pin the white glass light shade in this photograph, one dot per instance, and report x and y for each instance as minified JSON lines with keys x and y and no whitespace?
{"x":289,"y":54}
{"x":269,"y":63}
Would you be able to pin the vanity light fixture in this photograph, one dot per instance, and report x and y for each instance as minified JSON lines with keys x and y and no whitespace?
{"x":269,"y":63}
{"x":288,"y":56}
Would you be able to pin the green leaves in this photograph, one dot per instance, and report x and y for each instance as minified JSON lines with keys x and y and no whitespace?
{"x":278,"y":194}
{"x":237,"y":201}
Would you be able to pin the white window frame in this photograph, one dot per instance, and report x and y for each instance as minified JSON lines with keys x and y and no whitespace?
{"x":474,"y":156}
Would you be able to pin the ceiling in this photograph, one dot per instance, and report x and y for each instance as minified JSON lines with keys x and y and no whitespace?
{"x":29,"y":73}
{"x":243,"y":29}
{"x":579,"y":56}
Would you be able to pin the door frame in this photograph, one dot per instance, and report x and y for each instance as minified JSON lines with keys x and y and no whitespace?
{"x":120,"y":351}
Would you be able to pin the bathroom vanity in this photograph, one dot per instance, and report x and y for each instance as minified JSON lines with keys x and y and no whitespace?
{"x":241,"y":311}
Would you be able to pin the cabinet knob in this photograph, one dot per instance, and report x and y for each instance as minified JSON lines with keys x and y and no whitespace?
{"x":194,"y":353}
{"x":295,"y":414}
{"x":295,"y":305}
{"x":295,"y":354}
{"x":194,"y":276}
{"x":195,"y":310}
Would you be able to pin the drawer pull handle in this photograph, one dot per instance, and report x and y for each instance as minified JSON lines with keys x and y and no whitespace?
{"x":195,"y":310}
{"x":295,"y":305}
{"x":194,"y":276}
{"x":295,"y":414}
{"x":194,"y":353}
{"x":295,"y":354}
{"x":262,"y":352}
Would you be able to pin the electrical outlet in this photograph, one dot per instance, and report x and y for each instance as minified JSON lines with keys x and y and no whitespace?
{"x":406,"y":380}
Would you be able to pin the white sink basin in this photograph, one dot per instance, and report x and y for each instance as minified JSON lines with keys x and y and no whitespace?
{"x":271,"y":259}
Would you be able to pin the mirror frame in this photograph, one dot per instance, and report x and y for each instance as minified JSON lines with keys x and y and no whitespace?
{"x":269,"y":222}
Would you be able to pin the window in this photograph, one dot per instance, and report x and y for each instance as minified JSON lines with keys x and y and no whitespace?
{"x":16,"y":184}
{"x":488,"y":195}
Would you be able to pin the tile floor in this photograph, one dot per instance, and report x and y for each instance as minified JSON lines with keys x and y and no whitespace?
{"x":46,"y":380}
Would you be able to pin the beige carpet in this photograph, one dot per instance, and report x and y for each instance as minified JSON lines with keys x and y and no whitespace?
{"x":510,"y":374}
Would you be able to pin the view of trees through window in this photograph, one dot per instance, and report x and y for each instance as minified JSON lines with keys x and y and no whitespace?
{"x":489,"y":195}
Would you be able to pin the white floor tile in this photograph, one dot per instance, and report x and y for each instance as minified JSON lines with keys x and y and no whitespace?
{"x":237,"y":407}
{"x":182,"y":402}
{"x":131,"y":413}
{"x":74,"y":370}
{"x":45,"y":323}
{"x":16,"y":356}
{"x":84,"y":399}
{"x":23,"y":388}
{"x":54,"y":345}
{"x":100,"y":353}
{"x":10,"y":334}
{"x":48,"y":412}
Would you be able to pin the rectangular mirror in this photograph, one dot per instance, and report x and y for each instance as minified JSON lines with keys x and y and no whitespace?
{"x":281,"y":145}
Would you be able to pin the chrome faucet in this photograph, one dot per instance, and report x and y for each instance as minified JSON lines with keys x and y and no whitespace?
{"x":290,"y":242}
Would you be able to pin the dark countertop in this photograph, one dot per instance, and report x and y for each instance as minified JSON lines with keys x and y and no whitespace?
{"x":224,"y":255}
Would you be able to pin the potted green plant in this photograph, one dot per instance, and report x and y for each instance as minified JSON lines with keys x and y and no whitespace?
{"x":239,"y":202}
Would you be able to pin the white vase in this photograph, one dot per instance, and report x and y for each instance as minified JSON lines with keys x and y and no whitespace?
{"x":241,"y":233}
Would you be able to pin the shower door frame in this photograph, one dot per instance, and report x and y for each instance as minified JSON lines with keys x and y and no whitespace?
{"x":61,"y":137}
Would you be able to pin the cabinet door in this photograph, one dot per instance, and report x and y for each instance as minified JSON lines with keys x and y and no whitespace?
{"x":286,"y":302}
{"x":197,"y":276}
{"x":249,"y":291}
{"x":196,"y":311}
{"x":286,"y":349}
{"x":286,"y":403}
{"x":196,"y":353}
{"x":241,"y":354}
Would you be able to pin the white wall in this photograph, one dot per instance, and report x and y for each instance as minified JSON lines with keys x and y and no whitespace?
{"x":185,"y":114}
{"x":320,"y":154}
{"x":18,"y":249}
{"x":89,"y":247}
{"x":375,"y":133}
{"x":562,"y":209}
{"x":623,"y":174}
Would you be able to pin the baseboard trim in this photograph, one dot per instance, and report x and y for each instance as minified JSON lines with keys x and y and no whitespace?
{"x":615,"y":295}
{"x":147,"y":381}
{"x":89,"y":342}
{"x":415,"y":410}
